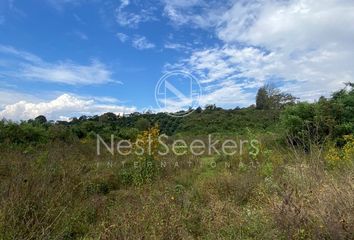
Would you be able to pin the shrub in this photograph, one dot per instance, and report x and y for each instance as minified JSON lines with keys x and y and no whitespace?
{"x":337,"y":157}
{"x":147,"y":146}
{"x":307,"y":123}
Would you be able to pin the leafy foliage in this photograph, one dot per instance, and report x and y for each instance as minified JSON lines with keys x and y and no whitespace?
{"x":269,"y":97}
{"x":328,"y":118}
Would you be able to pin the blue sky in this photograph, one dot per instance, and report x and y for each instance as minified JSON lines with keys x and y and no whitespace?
{"x":65,"y":58}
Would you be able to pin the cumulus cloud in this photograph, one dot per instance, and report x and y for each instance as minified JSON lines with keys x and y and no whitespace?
{"x":227,"y":94}
{"x":217,"y":64}
{"x":226,"y":75}
{"x":10,"y":96}
{"x":141,"y":42}
{"x":305,"y":46}
{"x":20,"y":64}
{"x":311,"y":42}
{"x":290,"y":25}
{"x":246,"y":69}
{"x":62,"y":107}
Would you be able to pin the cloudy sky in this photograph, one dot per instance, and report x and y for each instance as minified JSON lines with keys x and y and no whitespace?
{"x":65,"y":58}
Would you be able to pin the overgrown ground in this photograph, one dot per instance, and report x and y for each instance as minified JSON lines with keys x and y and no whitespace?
{"x":57,"y":191}
{"x":299,"y":186}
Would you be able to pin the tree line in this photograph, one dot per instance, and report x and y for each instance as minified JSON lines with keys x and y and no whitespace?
{"x":275,"y":111}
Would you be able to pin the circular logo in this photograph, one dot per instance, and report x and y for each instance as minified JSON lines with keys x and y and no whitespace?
{"x":178,"y":93}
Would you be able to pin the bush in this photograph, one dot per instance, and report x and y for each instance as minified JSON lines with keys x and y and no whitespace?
{"x":341,"y":157}
{"x":307,"y":123}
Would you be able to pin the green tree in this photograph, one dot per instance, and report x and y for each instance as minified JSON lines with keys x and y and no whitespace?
{"x":262,"y":99}
{"x":328,"y":118}
{"x":142,"y":124}
{"x":107,"y":117}
{"x":40,"y":119}
{"x":269,"y":97}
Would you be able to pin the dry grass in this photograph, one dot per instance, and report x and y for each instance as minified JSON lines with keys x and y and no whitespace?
{"x":58,"y":192}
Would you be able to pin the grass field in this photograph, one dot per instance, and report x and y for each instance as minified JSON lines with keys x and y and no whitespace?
{"x":64,"y":191}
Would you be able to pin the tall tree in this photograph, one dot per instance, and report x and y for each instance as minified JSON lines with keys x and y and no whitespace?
{"x":142,"y":124}
{"x":262,"y":99}
{"x":40,"y":119}
{"x":269,"y":97}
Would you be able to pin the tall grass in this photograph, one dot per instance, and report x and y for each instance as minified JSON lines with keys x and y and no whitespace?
{"x":58,"y":191}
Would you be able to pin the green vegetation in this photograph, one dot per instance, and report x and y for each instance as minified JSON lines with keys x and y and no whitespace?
{"x":269,"y":97}
{"x":328,"y":118}
{"x":298,"y":186}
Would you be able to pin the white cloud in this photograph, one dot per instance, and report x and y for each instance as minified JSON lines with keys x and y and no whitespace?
{"x":219,"y":64}
{"x":248,"y":68}
{"x":306,"y":46}
{"x":195,"y":13}
{"x":311,"y":42}
{"x":179,"y":11}
{"x":8,"y":97}
{"x":127,"y":18}
{"x":25,"y":56}
{"x":177,"y":46}
{"x":290,"y":25}
{"x":227,"y":75}
{"x":63,"y":107}
{"x":228,"y":94}
{"x":138,"y":42}
{"x":124,"y":3}
{"x":122,"y":37}
{"x":68,"y":73}
{"x":24,"y":65}
{"x":141,"y":42}
{"x":173,"y":105}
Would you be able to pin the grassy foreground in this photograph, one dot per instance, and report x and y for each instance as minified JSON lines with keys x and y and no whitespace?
{"x":299,"y":185}
{"x":58,"y":191}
